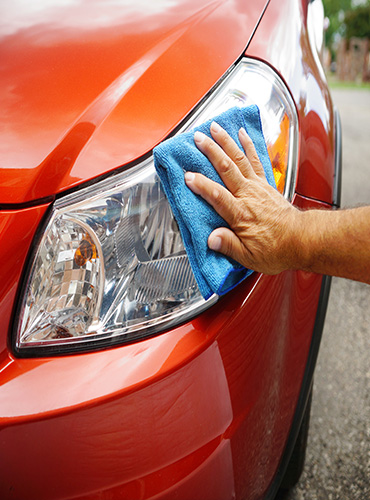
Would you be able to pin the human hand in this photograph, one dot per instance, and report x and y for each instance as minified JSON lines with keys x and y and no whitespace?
{"x":263,"y":224}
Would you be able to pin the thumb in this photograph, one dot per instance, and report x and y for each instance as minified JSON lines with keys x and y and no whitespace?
{"x":225,"y":241}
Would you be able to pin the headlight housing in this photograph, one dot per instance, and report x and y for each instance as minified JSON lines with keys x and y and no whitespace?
{"x":111,"y":266}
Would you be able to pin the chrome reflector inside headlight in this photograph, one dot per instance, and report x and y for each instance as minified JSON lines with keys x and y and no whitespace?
{"x":111,"y":266}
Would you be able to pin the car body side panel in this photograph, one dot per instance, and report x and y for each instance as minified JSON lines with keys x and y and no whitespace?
{"x":126,"y":420}
{"x":282,"y":40}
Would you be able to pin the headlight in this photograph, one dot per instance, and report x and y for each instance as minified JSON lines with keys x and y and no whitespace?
{"x":111,"y":266}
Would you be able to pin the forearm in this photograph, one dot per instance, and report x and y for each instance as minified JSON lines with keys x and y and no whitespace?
{"x":335,"y":243}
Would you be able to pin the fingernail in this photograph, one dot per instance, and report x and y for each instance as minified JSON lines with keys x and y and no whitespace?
{"x":199,"y":137}
{"x":215,"y":127}
{"x":243,"y":131}
{"x":189,"y":176}
{"x":214,"y":243}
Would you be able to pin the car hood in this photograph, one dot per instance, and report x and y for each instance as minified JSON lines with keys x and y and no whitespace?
{"x":88,"y":86}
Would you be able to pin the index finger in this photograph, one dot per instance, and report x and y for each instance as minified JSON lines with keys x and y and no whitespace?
{"x":213,"y":193}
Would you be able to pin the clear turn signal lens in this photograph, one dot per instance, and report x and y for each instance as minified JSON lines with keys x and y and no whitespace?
{"x":65,"y":291}
{"x":111,"y":266}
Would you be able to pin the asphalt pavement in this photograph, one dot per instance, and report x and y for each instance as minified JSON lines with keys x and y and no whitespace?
{"x":338,"y":454}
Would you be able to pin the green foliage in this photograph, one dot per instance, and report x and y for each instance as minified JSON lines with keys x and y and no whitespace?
{"x":346,"y":20}
{"x":334,"y":10}
{"x":357,"y":22}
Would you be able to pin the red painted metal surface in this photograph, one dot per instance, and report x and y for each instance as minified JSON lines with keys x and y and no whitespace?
{"x":87,"y":87}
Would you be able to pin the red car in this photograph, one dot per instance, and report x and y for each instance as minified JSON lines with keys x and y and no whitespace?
{"x":117,"y":379}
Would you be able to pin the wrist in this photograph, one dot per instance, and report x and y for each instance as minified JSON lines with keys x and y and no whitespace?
{"x":314,"y":230}
{"x":300,"y":239}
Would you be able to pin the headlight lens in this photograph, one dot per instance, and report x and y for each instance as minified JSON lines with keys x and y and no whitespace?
{"x":111,"y":266}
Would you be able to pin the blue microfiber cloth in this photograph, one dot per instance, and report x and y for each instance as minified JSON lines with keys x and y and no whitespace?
{"x":214,"y":272}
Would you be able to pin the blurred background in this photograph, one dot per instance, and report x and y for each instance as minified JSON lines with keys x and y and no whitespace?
{"x":347,"y":34}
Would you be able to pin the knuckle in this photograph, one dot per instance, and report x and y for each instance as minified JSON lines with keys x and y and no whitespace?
{"x":228,"y":246}
{"x":225,"y":165}
{"x":220,"y":199}
{"x":218,"y":196}
{"x":254,"y":158}
{"x":239,"y":157}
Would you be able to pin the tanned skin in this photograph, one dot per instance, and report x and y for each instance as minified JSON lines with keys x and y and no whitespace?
{"x":267,"y":233}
